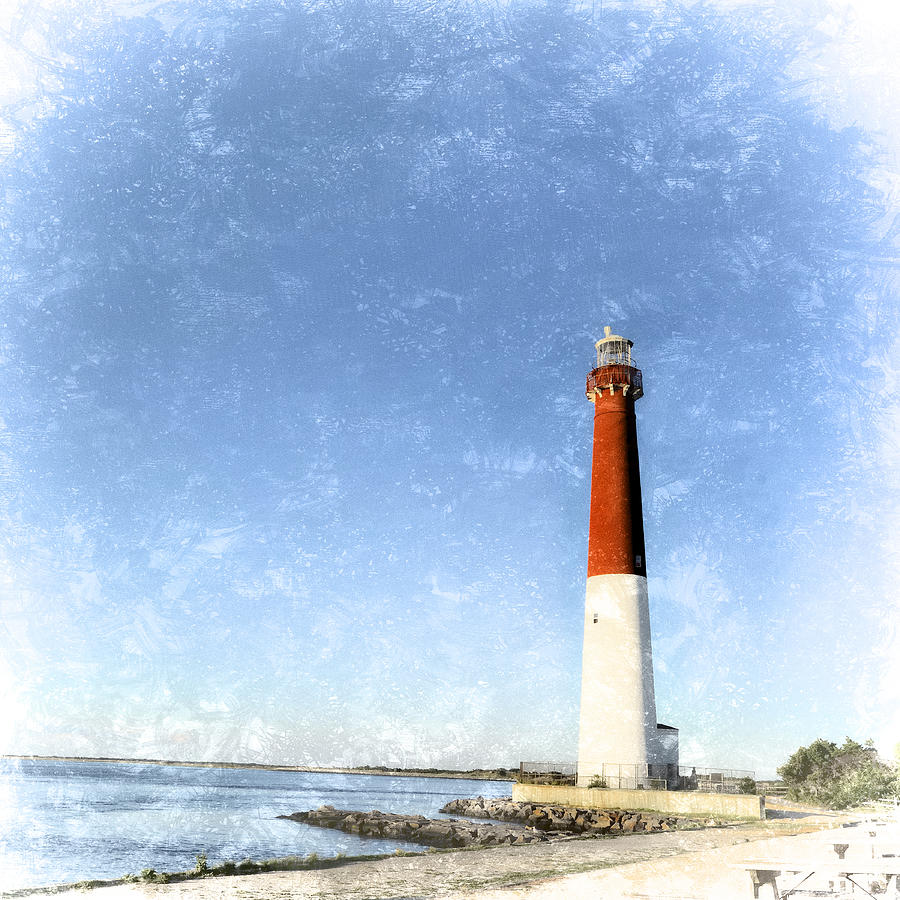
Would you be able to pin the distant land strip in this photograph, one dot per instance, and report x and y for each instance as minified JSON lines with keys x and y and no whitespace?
{"x":470,"y":774}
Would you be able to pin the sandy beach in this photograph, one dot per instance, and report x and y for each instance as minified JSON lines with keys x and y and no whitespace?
{"x":687,"y":865}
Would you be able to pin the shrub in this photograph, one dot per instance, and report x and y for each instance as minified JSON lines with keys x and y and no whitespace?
{"x":151,"y":876}
{"x":747,"y":785}
{"x":598,"y":782}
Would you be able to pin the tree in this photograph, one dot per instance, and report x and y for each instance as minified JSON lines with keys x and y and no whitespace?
{"x":839,"y":776}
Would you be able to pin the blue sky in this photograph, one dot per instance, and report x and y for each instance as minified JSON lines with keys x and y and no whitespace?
{"x":299,"y":305}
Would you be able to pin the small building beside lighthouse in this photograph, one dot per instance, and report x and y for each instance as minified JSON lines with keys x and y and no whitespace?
{"x":620,"y":743}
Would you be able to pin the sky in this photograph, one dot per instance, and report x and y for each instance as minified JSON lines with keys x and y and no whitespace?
{"x":298,"y":305}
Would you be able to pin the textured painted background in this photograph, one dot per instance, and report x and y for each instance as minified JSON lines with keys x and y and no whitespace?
{"x":297,"y":307}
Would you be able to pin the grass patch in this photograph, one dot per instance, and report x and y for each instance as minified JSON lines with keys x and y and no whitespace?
{"x":285,"y":864}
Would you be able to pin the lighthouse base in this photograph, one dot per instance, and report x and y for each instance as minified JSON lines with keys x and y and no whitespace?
{"x":660,"y":774}
{"x":620,"y":742}
{"x":618,"y":707}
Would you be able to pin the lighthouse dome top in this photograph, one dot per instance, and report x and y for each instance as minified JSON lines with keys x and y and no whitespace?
{"x":613,"y":350}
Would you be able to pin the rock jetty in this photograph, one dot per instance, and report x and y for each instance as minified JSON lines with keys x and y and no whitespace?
{"x":444,"y":833}
{"x":561,"y":818}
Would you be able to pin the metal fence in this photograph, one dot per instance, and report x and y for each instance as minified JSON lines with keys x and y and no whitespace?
{"x":631,"y":776}
{"x":715,"y":781}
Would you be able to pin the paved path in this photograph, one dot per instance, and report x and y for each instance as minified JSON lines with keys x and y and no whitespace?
{"x":715,"y":874}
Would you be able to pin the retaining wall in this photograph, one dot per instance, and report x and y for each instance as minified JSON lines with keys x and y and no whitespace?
{"x":682,"y":803}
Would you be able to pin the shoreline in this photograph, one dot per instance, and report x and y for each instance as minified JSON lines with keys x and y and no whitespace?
{"x":467,"y":775}
{"x":481,"y":872}
{"x":262,"y":867}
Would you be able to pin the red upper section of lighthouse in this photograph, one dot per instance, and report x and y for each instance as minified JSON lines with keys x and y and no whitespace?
{"x":616,"y":533}
{"x":615,"y":376}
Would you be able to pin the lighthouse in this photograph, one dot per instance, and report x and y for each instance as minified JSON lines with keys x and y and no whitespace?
{"x":620,"y":741}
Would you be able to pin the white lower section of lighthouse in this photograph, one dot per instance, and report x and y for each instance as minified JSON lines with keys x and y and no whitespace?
{"x":618,"y":729}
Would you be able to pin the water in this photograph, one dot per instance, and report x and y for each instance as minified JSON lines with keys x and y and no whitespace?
{"x":71,"y":821}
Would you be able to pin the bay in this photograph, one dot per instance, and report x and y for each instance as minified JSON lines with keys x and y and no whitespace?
{"x":65,"y":821}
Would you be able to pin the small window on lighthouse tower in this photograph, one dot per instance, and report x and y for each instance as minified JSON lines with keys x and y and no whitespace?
{"x":637,"y":560}
{"x":596,"y":618}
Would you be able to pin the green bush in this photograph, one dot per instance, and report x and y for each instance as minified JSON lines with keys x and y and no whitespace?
{"x":598,"y":782}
